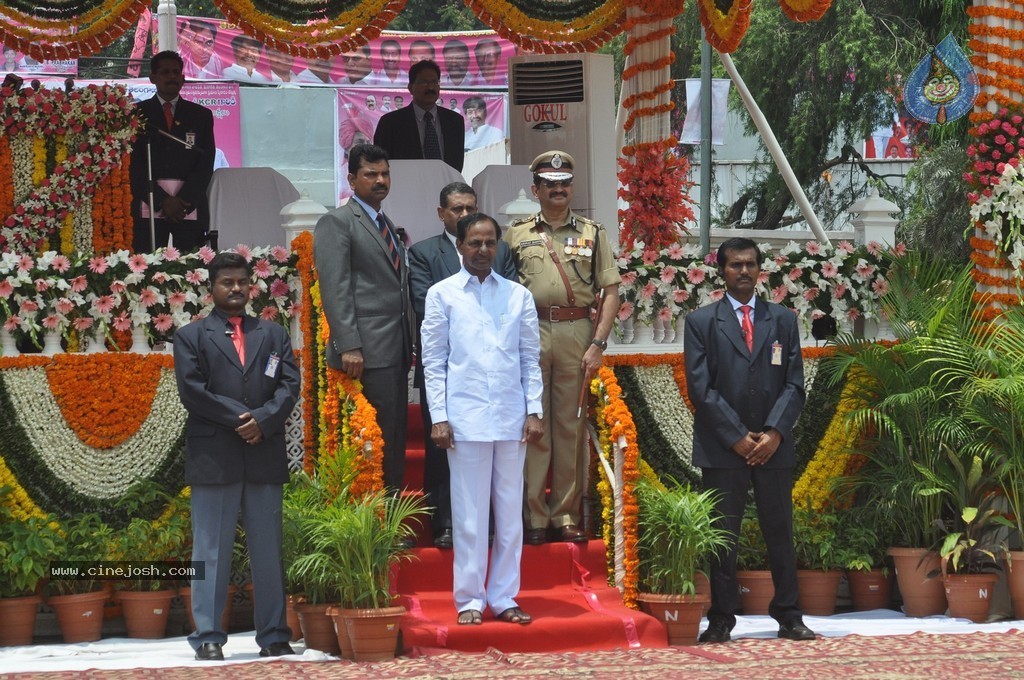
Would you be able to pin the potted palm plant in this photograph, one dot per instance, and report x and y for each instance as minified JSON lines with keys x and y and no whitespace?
{"x":816,"y":540}
{"x":677,"y":533}
{"x":26,"y":547}
{"x":861,"y":553}
{"x":78,"y":597}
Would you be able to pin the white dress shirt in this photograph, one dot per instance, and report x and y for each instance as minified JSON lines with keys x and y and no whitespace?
{"x":481,"y":356}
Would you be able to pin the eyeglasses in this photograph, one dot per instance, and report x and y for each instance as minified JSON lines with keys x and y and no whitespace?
{"x":556,"y":183}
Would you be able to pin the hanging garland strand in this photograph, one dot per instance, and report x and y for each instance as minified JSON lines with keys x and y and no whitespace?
{"x":534,"y":24}
{"x":54,"y":30}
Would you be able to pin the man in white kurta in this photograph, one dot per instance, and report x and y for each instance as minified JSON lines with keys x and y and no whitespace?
{"x":481,"y":366}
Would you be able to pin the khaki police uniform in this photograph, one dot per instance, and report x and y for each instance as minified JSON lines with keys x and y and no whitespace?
{"x":584,"y":248}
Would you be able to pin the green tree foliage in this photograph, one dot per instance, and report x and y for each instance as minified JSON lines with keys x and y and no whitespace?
{"x":431,"y":16}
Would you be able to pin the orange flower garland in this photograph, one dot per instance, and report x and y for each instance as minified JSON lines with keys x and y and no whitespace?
{"x":539,"y":35}
{"x":105,"y":418}
{"x":804,"y":10}
{"x":81,"y":34}
{"x":111,"y":212}
{"x":725,"y":31}
{"x":302,"y":245}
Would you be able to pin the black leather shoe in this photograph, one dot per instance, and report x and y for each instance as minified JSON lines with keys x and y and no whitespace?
{"x":277,"y":649}
{"x":210,"y":651}
{"x":796,"y":630}
{"x":570,"y":533}
{"x":716,"y":633}
{"x":535,"y":536}
{"x":443,"y":539}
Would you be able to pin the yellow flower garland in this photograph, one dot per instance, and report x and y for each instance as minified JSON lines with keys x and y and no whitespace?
{"x":18,"y":500}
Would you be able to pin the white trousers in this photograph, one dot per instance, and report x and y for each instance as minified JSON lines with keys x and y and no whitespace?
{"x":483,"y":475}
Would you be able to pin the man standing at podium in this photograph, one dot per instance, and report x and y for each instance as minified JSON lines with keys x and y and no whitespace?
{"x":180,"y":135}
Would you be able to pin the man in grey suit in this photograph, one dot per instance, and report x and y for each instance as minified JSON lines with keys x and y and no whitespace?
{"x":238,"y":380}
{"x":744,"y":375}
{"x":364,"y":285}
{"x":430,"y":261}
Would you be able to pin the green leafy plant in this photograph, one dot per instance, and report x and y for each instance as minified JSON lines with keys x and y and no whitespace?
{"x":816,"y":538}
{"x":85,"y":539}
{"x":677,"y":535}
{"x":26,"y":548}
{"x":861,"y":541}
{"x":145,"y":541}
{"x":752,"y":551}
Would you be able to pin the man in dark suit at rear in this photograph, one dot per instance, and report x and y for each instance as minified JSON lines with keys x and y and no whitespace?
{"x":238,"y":380}
{"x":744,"y":375}
{"x":430,"y":261}
{"x":182,"y":167}
{"x":423,"y":129}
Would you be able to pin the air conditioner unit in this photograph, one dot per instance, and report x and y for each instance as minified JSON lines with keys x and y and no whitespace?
{"x":567,"y":102}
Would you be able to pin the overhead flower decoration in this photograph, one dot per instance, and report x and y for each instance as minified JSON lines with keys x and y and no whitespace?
{"x":996,"y":31}
{"x":805,"y":10}
{"x":311,"y":29}
{"x":64,"y":147}
{"x":725,"y":22}
{"x":556,"y":26}
{"x":58,"y":29}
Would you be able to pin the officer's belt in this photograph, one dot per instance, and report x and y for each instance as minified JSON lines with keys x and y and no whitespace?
{"x":563,"y":313}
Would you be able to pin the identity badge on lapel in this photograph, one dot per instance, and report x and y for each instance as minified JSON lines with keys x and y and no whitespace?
{"x":271,"y":370}
{"x":190,"y":140}
{"x":776,"y":353}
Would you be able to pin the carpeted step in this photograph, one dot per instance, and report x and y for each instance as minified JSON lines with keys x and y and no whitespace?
{"x":563,"y":588}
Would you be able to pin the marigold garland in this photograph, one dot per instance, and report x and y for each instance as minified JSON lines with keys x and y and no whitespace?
{"x":725,"y":31}
{"x":105,"y":418}
{"x":303,"y":246}
{"x":55,"y":30}
{"x":805,"y":10}
{"x":534,"y":33}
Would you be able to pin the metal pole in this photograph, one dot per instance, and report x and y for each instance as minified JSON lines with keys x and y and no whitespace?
{"x":705,"y":145}
{"x":775,"y":150}
{"x":167,"y":19}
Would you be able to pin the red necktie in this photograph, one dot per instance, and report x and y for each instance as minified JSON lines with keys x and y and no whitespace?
{"x":748,"y":327}
{"x":169,"y":116}
{"x":238,"y":337}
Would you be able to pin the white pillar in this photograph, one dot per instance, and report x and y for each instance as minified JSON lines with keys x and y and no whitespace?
{"x":167,"y":19}
{"x":874,"y":219}
{"x":297,"y":217}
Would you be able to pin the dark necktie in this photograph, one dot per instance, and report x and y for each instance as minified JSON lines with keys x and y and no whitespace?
{"x":238,"y":337}
{"x":748,"y":327}
{"x":431,"y":147}
{"x":169,"y":116}
{"x":389,"y":240}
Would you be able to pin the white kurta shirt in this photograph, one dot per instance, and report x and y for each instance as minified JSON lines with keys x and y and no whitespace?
{"x":481,"y":356}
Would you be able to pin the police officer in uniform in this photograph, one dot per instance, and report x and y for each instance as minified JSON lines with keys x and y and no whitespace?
{"x":565,"y":261}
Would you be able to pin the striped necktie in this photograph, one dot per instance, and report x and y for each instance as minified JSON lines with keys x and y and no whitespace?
{"x":748,"y":327}
{"x":389,"y":239}
{"x":431,"y":147}
{"x":238,"y":337}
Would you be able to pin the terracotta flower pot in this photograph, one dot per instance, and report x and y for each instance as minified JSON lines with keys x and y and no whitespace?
{"x":922,"y":596}
{"x":80,"y":615}
{"x":870,"y":589}
{"x":756,"y":591}
{"x":225,"y":617}
{"x":374,"y":632}
{"x":969,"y":595}
{"x":818,"y":591}
{"x":318,"y":628}
{"x":293,"y":616}
{"x":340,"y":615}
{"x":18,"y":619}
{"x":145,"y":612}
{"x":1014,"y":570}
{"x":681,"y":614}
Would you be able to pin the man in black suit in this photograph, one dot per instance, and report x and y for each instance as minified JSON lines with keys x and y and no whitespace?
{"x":364,"y":285}
{"x":423,"y":129}
{"x":182,"y":167}
{"x":744,"y":375}
{"x":238,"y":380}
{"x":430,"y":261}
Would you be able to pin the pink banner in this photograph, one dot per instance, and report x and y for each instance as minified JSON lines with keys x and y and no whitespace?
{"x":215,"y":49}
{"x":359,"y":109}
{"x":222,"y":99}
{"x":24,"y":65}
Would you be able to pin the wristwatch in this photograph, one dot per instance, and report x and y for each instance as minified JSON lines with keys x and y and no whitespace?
{"x":603,"y":344}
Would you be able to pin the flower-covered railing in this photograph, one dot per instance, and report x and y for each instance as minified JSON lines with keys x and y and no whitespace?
{"x":64,"y":169}
{"x":640,"y":404}
{"x":842,"y":281}
{"x":338,"y":419}
{"x":72,"y":296}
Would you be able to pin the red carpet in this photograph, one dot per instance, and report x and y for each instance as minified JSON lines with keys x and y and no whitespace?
{"x":563,"y":587}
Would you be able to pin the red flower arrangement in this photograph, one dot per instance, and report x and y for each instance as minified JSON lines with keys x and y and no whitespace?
{"x":999,"y":141}
{"x":654,"y":183}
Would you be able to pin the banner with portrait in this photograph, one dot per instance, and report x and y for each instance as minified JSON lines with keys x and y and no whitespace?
{"x":359,"y":109}
{"x":216,"y":49}
{"x":223,"y":100}
{"x":23,"y":65}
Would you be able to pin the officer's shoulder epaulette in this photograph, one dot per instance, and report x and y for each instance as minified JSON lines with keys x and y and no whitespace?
{"x":586,"y":220}
{"x":520,"y":222}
